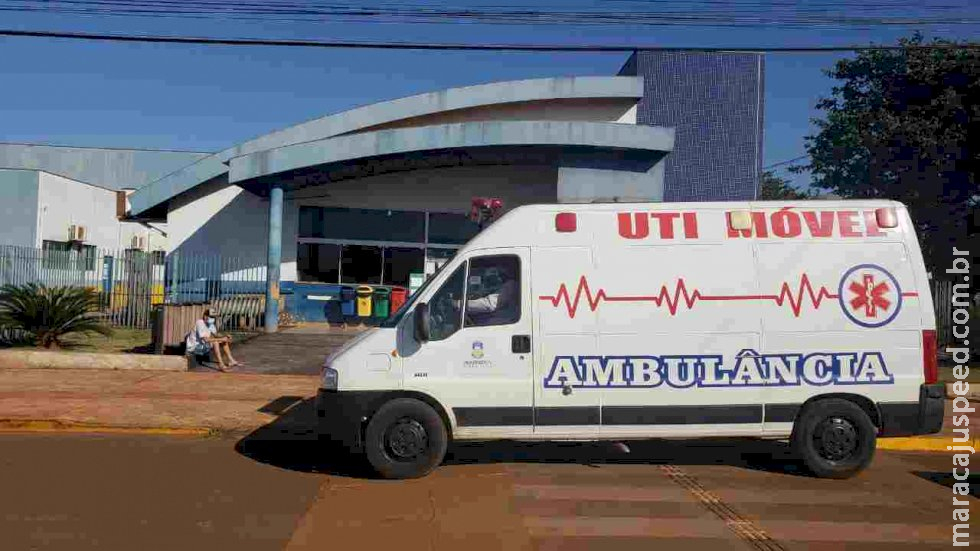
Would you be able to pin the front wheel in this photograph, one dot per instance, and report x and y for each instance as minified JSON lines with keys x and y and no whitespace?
{"x":405,"y":439}
{"x":835,"y":438}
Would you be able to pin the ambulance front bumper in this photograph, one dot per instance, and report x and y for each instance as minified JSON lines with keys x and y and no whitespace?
{"x":909,"y":419}
{"x":341,"y":416}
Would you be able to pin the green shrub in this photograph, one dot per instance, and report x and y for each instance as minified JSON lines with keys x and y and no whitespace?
{"x":46,"y":314}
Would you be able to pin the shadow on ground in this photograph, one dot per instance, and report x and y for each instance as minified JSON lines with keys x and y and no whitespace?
{"x":290,"y":442}
{"x":140,"y":349}
{"x":743,"y":453}
{"x":946,"y":479}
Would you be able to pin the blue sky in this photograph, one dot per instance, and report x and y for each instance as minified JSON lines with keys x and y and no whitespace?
{"x":205,"y":98}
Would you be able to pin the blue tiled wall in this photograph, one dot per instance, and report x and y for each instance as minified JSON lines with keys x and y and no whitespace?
{"x":715,"y":103}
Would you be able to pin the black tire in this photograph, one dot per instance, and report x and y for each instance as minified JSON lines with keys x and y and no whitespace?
{"x":835,"y":438}
{"x":405,"y":439}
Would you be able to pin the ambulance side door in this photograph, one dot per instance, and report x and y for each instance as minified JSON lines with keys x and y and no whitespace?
{"x":478,"y":358}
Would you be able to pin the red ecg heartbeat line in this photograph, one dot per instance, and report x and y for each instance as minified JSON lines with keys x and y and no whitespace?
{"x":682,"y":296}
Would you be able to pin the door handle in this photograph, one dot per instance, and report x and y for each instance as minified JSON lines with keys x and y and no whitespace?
{"x":520,"y":344}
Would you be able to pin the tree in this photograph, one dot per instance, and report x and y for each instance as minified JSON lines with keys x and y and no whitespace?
{"x":772,"y":187}
{"x":905,"y":125}
{"x":45,"y":314}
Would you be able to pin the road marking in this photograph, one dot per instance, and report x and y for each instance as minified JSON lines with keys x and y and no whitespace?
{"x":611,"y":528}
{"x":744,"y":528}
{"x":22,"y":426}
{"x":922,"y":444}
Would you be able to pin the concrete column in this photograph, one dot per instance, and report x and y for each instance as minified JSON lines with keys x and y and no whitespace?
{"x":274,"y":259}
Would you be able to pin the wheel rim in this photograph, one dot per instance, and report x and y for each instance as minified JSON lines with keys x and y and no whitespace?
{"x":835,"y":439}
{"x":406,"y":439}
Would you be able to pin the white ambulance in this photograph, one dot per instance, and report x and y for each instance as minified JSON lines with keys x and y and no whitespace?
{"x":806,"y":320}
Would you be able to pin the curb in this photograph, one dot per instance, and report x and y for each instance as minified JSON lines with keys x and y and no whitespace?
{"x":922,"y":444}
{"x":52,"y":426}
{"x":18,"y":358}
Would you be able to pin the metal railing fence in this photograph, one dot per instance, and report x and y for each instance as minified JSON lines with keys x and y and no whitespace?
{"x":131,"y":283}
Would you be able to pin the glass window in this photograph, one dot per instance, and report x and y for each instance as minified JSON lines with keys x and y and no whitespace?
{"x":451,"y":229}
{"x":436,"y":258}
{"x":318,"y":262}
{"x":445,"y":307}
{"x":55,"y":255}
{"x":397,"y":316}
{"x":310,"y":222}
{"x":493,"y":291}
{"x":60,"y":255}
{"x":360,"y":264}
{"x":362,"y":224}
{"x":399,"y":262}
{"x":89,"y":254}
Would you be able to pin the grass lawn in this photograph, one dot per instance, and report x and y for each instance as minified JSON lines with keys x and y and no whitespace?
{"x":946,"y":374}
{"x":123,"y":340}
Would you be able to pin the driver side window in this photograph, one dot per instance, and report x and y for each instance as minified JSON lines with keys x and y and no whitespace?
{"x":493,"y":291}
{"x":446,"y":306}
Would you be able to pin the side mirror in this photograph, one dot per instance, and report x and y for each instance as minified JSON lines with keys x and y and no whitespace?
{"x":421,"y":321}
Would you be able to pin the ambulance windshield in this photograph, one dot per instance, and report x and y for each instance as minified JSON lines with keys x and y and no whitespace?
{"x":393,"y":320}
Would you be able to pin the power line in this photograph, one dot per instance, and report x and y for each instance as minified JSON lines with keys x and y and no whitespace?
{"x":309,"y":43}
{"x":711,"y":13}
{"x":786,"y":162}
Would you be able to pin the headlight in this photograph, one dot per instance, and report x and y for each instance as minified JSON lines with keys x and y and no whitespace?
{"x":329,"y":379}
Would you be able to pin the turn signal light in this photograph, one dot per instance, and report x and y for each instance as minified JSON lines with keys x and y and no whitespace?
{"x":565,"y":222}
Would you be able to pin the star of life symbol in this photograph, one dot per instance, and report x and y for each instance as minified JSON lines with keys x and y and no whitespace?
{"x":869,"y":295}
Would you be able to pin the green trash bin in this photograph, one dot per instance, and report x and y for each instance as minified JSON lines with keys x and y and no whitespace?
{"x":381,"y":302}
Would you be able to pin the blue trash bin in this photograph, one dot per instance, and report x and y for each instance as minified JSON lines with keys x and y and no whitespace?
{"x":347,"y":296}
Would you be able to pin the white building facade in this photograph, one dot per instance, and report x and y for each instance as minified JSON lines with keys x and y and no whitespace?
{"x":375,"y":195}
{"x":52,"y":212}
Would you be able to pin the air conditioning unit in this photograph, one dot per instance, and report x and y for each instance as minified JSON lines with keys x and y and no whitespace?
{"x":138,"y":242}
{"x":77,"y":233}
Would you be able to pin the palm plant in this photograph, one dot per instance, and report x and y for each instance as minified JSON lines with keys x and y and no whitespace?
{"x":46,"y":314}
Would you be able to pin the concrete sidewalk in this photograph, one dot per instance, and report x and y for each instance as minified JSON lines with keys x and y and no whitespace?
{"x":297,"y":350}
{"x":147,"y":399}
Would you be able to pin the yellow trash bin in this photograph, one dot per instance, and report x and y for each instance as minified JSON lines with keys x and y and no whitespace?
{"x":364,"y":301}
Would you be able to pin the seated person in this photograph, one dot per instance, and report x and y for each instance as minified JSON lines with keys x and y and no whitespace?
{"x":205,"y":340}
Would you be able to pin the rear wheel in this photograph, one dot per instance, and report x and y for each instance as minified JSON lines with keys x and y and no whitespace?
{"x":835,"y":438}
{"x":405,"y":439}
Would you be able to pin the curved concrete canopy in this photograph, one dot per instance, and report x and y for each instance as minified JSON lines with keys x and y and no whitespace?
{"x":450,"y":136}
{"x":497,"y":93}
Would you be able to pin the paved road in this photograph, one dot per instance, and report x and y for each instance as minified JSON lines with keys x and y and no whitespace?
{"x":271,"y":491}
